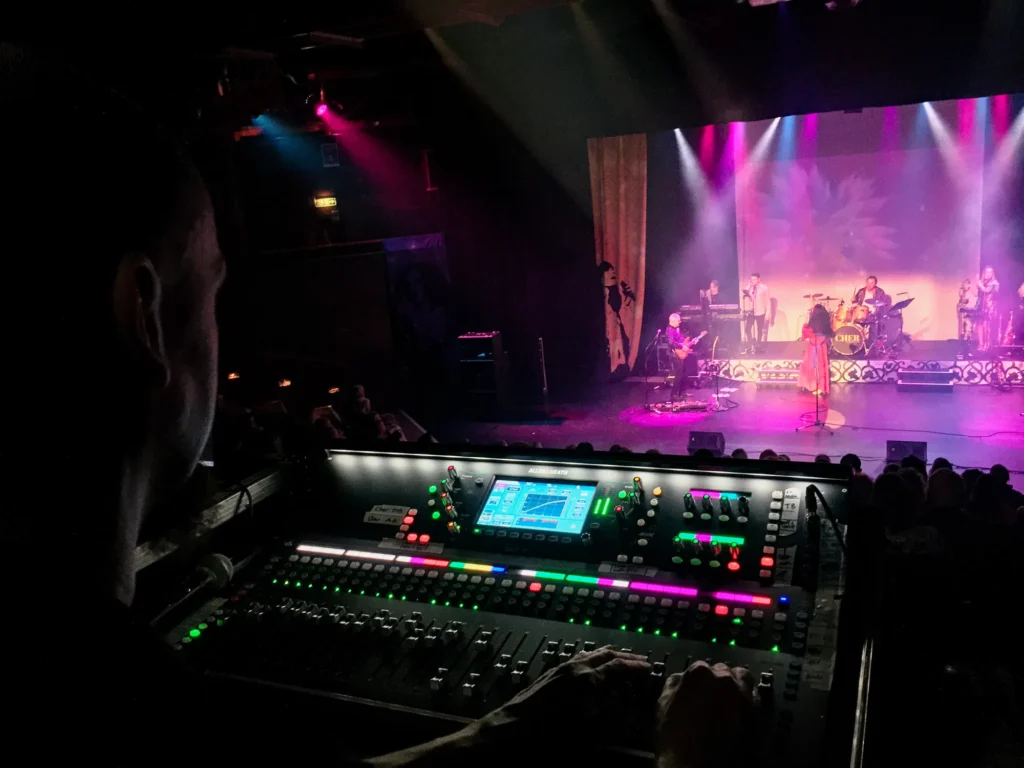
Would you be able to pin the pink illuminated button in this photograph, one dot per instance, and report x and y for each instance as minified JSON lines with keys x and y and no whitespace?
{"x":411,"y":537}
{"x":767,"y":562}
{"x":408,"y":520}
{"x":721,"y":610}
{"x":535,"y":586}
{"x":424,"y":538}
{"x":733,"y":565}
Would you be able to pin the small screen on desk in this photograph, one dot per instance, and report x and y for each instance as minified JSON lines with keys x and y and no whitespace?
{"x":535,"y":505}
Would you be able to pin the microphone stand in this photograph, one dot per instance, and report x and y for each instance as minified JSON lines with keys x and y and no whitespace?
{"x":716,"y":368}
{"x":818,"y":423}
{"x":647,"y":370}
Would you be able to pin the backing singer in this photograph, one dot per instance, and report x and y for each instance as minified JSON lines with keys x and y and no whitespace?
{"x":985,"y":324}
{"x":755,"y":303}
{"x":814,"y":374}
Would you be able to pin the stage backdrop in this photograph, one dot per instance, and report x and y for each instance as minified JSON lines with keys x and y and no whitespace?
{"x":923,"y":196}
{"x":821,"y":217}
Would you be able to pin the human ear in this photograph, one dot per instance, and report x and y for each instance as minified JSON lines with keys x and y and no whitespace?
{"x":138,"y":293}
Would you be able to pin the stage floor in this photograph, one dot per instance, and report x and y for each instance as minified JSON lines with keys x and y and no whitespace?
{"x":971,"y":426}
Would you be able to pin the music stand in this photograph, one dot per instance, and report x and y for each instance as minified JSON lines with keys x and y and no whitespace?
{"x":818,"y":423}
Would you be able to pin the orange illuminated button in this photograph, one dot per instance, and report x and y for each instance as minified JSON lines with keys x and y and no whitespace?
{"x":733,"y":565}
{"x":657,"y":491}
{"x":767,"y":562}
{"x":721,"y":610}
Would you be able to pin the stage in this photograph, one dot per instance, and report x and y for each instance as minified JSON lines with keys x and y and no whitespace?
{"x":971,"y":426}
{"x":779,"y":360}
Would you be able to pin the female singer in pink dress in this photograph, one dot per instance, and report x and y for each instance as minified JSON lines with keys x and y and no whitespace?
{"x":814,"y":370}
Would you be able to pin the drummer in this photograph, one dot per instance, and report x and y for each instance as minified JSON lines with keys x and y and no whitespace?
{"x":872,"y":294}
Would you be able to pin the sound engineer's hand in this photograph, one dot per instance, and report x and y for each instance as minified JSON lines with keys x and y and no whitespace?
{"x":575,"y":699}
{"x":588,"y":686}
{"x":705,"y":717}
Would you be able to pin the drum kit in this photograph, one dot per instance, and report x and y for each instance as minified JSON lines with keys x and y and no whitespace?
{"x":874,"y":327}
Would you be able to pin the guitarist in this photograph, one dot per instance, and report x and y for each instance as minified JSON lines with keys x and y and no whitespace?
{"x":684,"y":364}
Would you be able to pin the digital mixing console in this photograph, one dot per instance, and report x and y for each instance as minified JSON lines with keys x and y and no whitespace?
{"x":443,"y":584}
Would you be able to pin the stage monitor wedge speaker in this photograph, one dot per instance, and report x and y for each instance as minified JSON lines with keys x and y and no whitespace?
{"x":712,"y":441}
{"x":897,"y":450}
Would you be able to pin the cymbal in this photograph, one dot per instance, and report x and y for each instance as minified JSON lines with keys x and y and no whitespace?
{"x":813,"y":295}
{"x":830,"y":298}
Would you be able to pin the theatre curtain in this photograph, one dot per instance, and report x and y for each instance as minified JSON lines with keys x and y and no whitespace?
{"x":618,"y":186}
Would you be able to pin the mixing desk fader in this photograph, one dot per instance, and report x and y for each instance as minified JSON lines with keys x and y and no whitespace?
{"x":443,"y":584}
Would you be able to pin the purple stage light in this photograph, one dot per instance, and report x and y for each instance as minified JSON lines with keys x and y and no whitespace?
{"x":321,"y":110}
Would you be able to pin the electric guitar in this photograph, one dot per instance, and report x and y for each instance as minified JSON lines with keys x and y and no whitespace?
{"x":683,"y":352}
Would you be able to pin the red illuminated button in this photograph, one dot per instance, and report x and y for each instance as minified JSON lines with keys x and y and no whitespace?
{"x":424,"y":538}
{"x":733,"y":565}
{"x":721,"y":610}
{"x":535,"y":587}
{"x":411,"y":537}
{"x":408,"y":520}
{"x":767,"y":562}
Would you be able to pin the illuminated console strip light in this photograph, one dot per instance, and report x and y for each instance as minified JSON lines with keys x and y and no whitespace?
{"x":639,"y":586}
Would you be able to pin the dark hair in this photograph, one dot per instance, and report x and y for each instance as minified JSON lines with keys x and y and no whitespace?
{"x":739,"y":453}
{"x":703,"y":453}
{"x":912,"y":462}
{"x":756,"y":274}
{"x":851,"y":460}
{"x":605,"y":266}
{"x":941,"y":463}
{"x":768,"y":454}
{"x":822,"y":458}
{"x":820,"y":321}
{"x":872,"y":277}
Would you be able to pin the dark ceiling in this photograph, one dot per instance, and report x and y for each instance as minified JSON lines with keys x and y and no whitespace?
{"x":596,"y":67}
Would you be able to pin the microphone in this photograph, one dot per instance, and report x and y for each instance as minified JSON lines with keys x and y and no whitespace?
{"x":213,"y":570}
{"x":658,"y":333}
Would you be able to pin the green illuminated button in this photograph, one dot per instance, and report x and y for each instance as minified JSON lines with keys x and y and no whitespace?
{"x":724,"y":518}
{"x":695,"y":561}
{"x":435,"y":515}
{"x":186,"y":640}
{"x":202,"y":626}
{"x":714,"y":564}
{"x":432,"y":489}
{"x":677,"y":559}
{"x":194,"y":633}
{"x":705,"y":516}
{"x":220,"y":622}
{"x":622,"y":494}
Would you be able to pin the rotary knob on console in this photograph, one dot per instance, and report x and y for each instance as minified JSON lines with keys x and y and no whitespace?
{"x":453,"y":477}
{"x":689,"y":506}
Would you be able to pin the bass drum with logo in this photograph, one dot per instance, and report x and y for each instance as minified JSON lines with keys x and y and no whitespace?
{"x":848,"y":340}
